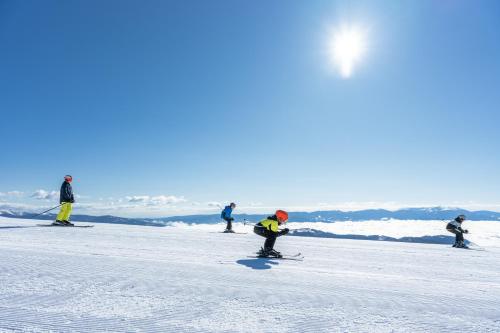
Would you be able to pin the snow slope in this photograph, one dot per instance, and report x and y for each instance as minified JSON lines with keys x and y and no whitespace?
{"x":119,"y":278}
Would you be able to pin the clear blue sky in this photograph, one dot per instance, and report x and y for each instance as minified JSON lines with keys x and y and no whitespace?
{"x":236,"y":100}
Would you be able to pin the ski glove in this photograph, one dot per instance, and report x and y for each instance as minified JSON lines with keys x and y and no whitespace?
{"x":466,"y":231}
{"x":284,"y":231}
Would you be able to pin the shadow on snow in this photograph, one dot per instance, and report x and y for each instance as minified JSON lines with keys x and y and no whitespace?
{"x":437,"y":239}
{"x":258,"y":263}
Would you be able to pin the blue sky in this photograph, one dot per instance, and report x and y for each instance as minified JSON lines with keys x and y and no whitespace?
{"x":169,"y":107}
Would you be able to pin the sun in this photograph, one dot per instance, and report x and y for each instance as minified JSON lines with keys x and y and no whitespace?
{"x":347,"y":47}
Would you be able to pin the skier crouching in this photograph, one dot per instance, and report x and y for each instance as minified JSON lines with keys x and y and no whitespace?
{"x":268,"y":228}
{"x":455,"y":227}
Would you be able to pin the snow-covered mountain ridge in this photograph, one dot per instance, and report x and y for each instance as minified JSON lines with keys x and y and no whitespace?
{"x":426,"y":213}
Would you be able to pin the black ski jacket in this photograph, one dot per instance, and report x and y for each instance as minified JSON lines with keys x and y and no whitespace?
{"x":66,"y":193}
{"x":456,"y":224}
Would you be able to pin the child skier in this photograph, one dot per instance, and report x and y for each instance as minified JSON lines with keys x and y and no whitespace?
{"x":66,"y":199}
{"x":455,"y":227}
{"x":226,"y":216}
{"x":268,"y":228}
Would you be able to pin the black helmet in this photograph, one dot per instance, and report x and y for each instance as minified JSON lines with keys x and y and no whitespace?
{"x":461,"y":217}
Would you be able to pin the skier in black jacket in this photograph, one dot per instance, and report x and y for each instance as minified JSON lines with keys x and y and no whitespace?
{"x":455,"y":227}
{"x":268,"y":228}
{"x":66,"y":199}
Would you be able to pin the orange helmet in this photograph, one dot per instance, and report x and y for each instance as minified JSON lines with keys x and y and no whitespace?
{"x":282,"y":215}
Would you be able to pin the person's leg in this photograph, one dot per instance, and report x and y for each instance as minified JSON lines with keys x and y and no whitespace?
{"x":62,"y":212}
{"x":270,"y":240}
{"x":456,"y":233}
{"x":460,"y":238}
{"x":67,"y":212}
{"x":259,"y":231}
{"x":229,"y":224}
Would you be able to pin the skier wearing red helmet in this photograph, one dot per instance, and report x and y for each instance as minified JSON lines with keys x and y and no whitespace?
{"x":66,"y":199}
{"x":268,"y":228}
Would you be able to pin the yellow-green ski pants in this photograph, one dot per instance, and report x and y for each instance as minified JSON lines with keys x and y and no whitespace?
{"x":65,"y":212}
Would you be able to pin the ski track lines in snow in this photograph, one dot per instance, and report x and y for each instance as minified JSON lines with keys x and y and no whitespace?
{"x":114,"y":278}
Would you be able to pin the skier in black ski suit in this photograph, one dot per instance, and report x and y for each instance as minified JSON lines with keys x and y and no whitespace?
{"x":455,"y":227}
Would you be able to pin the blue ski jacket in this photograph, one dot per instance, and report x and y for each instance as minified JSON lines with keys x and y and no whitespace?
{"x":226,"y":213}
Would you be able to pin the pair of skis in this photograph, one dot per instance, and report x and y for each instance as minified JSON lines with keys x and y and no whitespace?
{"x":296,"y":257}
{"x":65,"y":226}
{"x":470,"y":248}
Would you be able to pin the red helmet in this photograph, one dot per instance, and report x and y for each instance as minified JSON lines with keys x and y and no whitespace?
{"x":282,"y":215}
{"x":68,"y":178}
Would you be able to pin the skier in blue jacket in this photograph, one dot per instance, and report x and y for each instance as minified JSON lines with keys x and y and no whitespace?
{"x":226,"y":216}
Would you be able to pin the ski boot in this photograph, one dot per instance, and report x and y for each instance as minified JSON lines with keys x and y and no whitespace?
{"x":68,"y":223}
{"x":269,"y":253}
{"x":274,"y":253}
{"x":461,"y":245}
{"x":262,"y":253}
{"x":229,"y":231}
{"x":455,"y":244}
{"x":58,"y":222}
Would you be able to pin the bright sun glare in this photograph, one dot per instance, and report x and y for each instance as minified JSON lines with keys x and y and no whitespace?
{"x":347,"y":47}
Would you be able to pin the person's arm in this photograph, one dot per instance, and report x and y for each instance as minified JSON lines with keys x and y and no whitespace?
{"x":67,"y":193}
{"x":63,"y":197}
{"x":225,"y":214}
{"x":284,"y":232}
{"x":274,"y":226}
{"x":71,"y":195}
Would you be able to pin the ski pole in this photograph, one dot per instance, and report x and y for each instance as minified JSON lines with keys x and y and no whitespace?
{"x":48,"y":210}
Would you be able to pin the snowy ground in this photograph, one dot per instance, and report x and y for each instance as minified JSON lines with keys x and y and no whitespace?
{"x":121,"y":278}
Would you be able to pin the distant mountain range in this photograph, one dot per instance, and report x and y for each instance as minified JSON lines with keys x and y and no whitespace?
{"x":434,"y":213}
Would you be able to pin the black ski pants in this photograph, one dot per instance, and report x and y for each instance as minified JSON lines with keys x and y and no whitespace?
{"x":268,"y":234}
{"x":229,"y":223}
{"x":459,"y":235}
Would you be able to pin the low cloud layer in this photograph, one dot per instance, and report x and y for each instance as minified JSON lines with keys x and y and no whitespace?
{"x":168,"y":205}
{"x":159,"y":200}
{"x":11,"y":194}
{"x":45,"y":195}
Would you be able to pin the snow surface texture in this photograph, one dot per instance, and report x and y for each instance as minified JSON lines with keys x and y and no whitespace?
{"x":120,"y":278}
